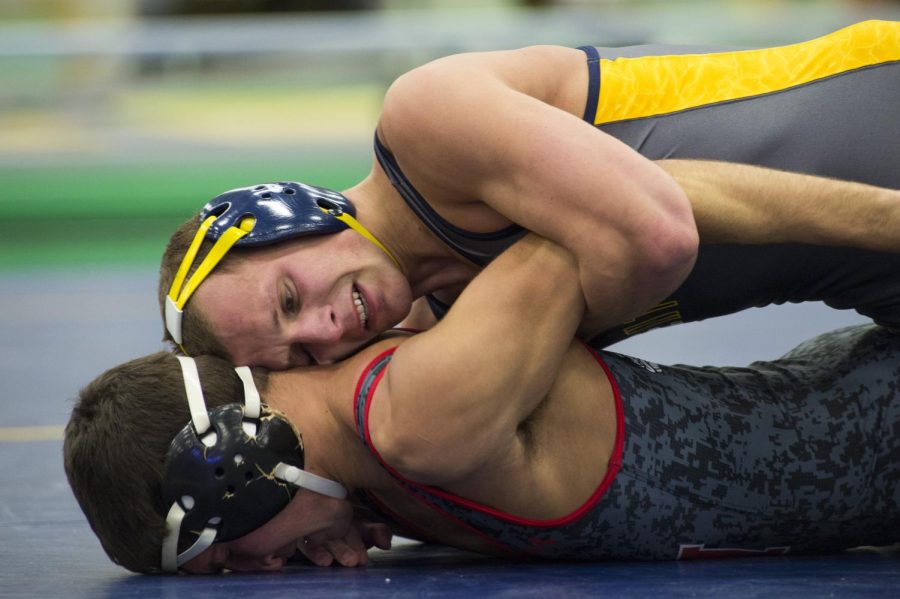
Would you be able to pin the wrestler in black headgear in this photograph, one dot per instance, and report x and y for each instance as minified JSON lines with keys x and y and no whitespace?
{"x":230,"y":470}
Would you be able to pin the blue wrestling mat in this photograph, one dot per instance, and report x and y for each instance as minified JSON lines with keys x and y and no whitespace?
{"x":59,"y":329}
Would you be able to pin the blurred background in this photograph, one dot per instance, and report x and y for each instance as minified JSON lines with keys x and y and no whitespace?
{"x":120,"y":118}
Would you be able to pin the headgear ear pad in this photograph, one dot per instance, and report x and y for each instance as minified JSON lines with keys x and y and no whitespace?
{"x":232,"y":480}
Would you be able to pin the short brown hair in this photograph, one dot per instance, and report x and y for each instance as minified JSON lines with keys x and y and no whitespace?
{"x":116,"y":443}
{"x":198,"y":337}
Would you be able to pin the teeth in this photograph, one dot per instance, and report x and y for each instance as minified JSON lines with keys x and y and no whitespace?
{"x":361,"y":308}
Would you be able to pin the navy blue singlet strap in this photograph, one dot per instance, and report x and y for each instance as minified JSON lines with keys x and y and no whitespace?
{"x":593,"y":62}
{"x":479,"y":248}
{"x":438,"y":308}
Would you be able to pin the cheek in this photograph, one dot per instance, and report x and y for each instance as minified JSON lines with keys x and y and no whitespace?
{"x":306,"y":514}
{"x":265,"y":540}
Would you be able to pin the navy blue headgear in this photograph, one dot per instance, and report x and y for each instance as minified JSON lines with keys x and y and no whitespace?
{"x":282,"y":210}
{"x":258,"y":215}
{"x":230,"y":470}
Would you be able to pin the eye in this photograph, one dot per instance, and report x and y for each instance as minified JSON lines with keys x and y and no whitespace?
{"x":289,"y":301}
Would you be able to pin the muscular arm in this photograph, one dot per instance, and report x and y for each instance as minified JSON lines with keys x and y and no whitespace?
{"x":743,"y":204}
{"x":454,"y":396}
{"x":482,"y":137}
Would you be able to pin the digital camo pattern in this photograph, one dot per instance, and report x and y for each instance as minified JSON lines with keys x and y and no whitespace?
{"x":801,"y":454}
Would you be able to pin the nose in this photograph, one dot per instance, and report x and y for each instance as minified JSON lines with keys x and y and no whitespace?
{"x":314,"y":335}
{"x":317,"y":325}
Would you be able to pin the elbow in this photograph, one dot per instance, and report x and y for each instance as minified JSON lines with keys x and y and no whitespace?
{"x":677,"y":246}
{"x":671,"y":243}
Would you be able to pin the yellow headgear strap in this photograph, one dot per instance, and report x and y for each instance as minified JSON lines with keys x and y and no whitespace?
{"x":356,"y":226}
{"x":180,"y":292}
{"x":179,"y":295}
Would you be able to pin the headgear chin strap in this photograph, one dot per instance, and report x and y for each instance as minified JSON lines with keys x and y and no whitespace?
{"x":230,"y":470}
{"x":259,"y":215}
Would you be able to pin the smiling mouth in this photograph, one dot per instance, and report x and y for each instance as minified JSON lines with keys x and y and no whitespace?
{"x":362,"y":309}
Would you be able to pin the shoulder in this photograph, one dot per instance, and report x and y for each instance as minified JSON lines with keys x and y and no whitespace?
{"x":386,"y":341}
{"x":451,"y":123}
{"x":460,"y":81}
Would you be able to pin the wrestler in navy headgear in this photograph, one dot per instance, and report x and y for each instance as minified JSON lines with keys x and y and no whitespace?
{"x":256,"y":216}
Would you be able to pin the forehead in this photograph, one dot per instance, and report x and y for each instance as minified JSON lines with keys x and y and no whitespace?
{"x":239,"y":305}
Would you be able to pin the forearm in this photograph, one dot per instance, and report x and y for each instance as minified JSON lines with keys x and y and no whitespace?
{"x":628,"y":224}
{"x":506,"y":332}
{"x":460,"y":390}
{"x":743,"y":204}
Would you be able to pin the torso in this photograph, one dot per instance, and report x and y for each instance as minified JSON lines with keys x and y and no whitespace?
{"x":706,"y":463}
{"x":560,"y":472}
{"x":801,"y":124}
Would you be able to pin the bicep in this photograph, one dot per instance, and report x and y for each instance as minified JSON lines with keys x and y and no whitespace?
{"x":625,"y":220}
{"x":436,"y":416}
{"x":455,"y":395}
{"x":566,"y":180}
{"x":470,"y":137}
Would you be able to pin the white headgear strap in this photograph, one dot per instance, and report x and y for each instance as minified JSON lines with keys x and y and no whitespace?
{"x":171,"y":559}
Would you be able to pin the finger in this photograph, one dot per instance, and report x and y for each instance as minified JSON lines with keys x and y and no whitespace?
{"x":375,"y":534}
{"x":381,"y":536}
{"x":315,"y":552}
{"x":349,"y":551}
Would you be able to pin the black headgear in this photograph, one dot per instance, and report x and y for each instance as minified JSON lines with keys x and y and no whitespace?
{"x":230,"y":470}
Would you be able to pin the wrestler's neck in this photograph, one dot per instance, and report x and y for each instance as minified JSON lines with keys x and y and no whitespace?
{"x":318,"y":402}
{"x":428,"y":263}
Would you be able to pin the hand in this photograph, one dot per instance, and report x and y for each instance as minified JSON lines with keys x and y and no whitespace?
{"x":349,"y":550}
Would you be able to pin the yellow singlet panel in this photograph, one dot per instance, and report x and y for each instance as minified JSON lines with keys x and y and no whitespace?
{"x":633,"y":88}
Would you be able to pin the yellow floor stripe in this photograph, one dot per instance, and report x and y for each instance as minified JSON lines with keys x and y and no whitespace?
{"x":32,"y":433}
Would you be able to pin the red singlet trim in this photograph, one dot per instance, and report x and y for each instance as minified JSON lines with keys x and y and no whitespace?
{"x":615,"y":460}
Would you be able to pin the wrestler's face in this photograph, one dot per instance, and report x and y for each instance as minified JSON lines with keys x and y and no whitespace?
{"x":308,"y":516}
{"x":304,"y":301}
